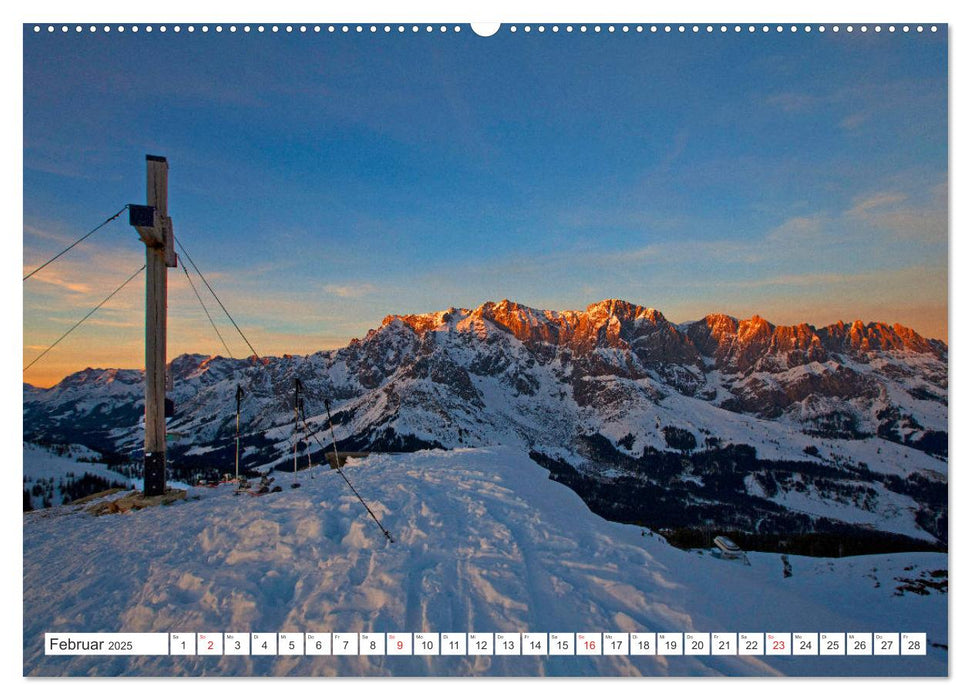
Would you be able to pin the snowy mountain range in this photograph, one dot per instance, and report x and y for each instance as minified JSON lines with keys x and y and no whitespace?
{"x":740,"y":423}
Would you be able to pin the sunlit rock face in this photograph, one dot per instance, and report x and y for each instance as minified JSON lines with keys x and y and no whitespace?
{"x":505,"y":372}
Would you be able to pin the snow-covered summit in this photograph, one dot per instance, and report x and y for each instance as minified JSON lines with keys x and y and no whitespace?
{"x":484,"y":542}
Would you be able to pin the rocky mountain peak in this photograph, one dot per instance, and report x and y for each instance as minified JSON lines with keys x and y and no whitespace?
{"x":423,"y":323}
{"x":861,"y":338}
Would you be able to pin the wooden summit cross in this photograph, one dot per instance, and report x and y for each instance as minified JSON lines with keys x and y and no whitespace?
{"x":155,"y":229}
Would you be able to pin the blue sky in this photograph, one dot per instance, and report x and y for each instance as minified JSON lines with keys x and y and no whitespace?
{"x":324,"y":181}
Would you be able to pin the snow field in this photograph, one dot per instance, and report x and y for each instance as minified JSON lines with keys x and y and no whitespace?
{"x":484,"y":542}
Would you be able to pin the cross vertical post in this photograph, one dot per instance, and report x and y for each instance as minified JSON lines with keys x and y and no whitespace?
{"x":155,"y":229}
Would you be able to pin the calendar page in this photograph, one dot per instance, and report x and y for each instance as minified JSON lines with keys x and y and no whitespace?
{"x":523,"y":349}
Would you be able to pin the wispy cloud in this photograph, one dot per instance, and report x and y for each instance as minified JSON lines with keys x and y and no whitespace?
{"x":798,"y":229}
{"x":853,"y":121}
{"x":45,"y":233}
{"x":828,"y":280}
{"x":902,"y":216}
{"x":849,"y":248}
{"x":793,"y":101}
{"x":138,"y":323}
{"x":84,"y":282}
{"x":350,"y":291}
{"x":862,"y":206}
{"x":56,"y":280}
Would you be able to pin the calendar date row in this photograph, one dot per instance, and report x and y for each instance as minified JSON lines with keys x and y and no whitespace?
{"x":489,"y":644}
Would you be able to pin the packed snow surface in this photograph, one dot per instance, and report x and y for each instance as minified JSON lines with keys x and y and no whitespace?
{"x":484,"y":541}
